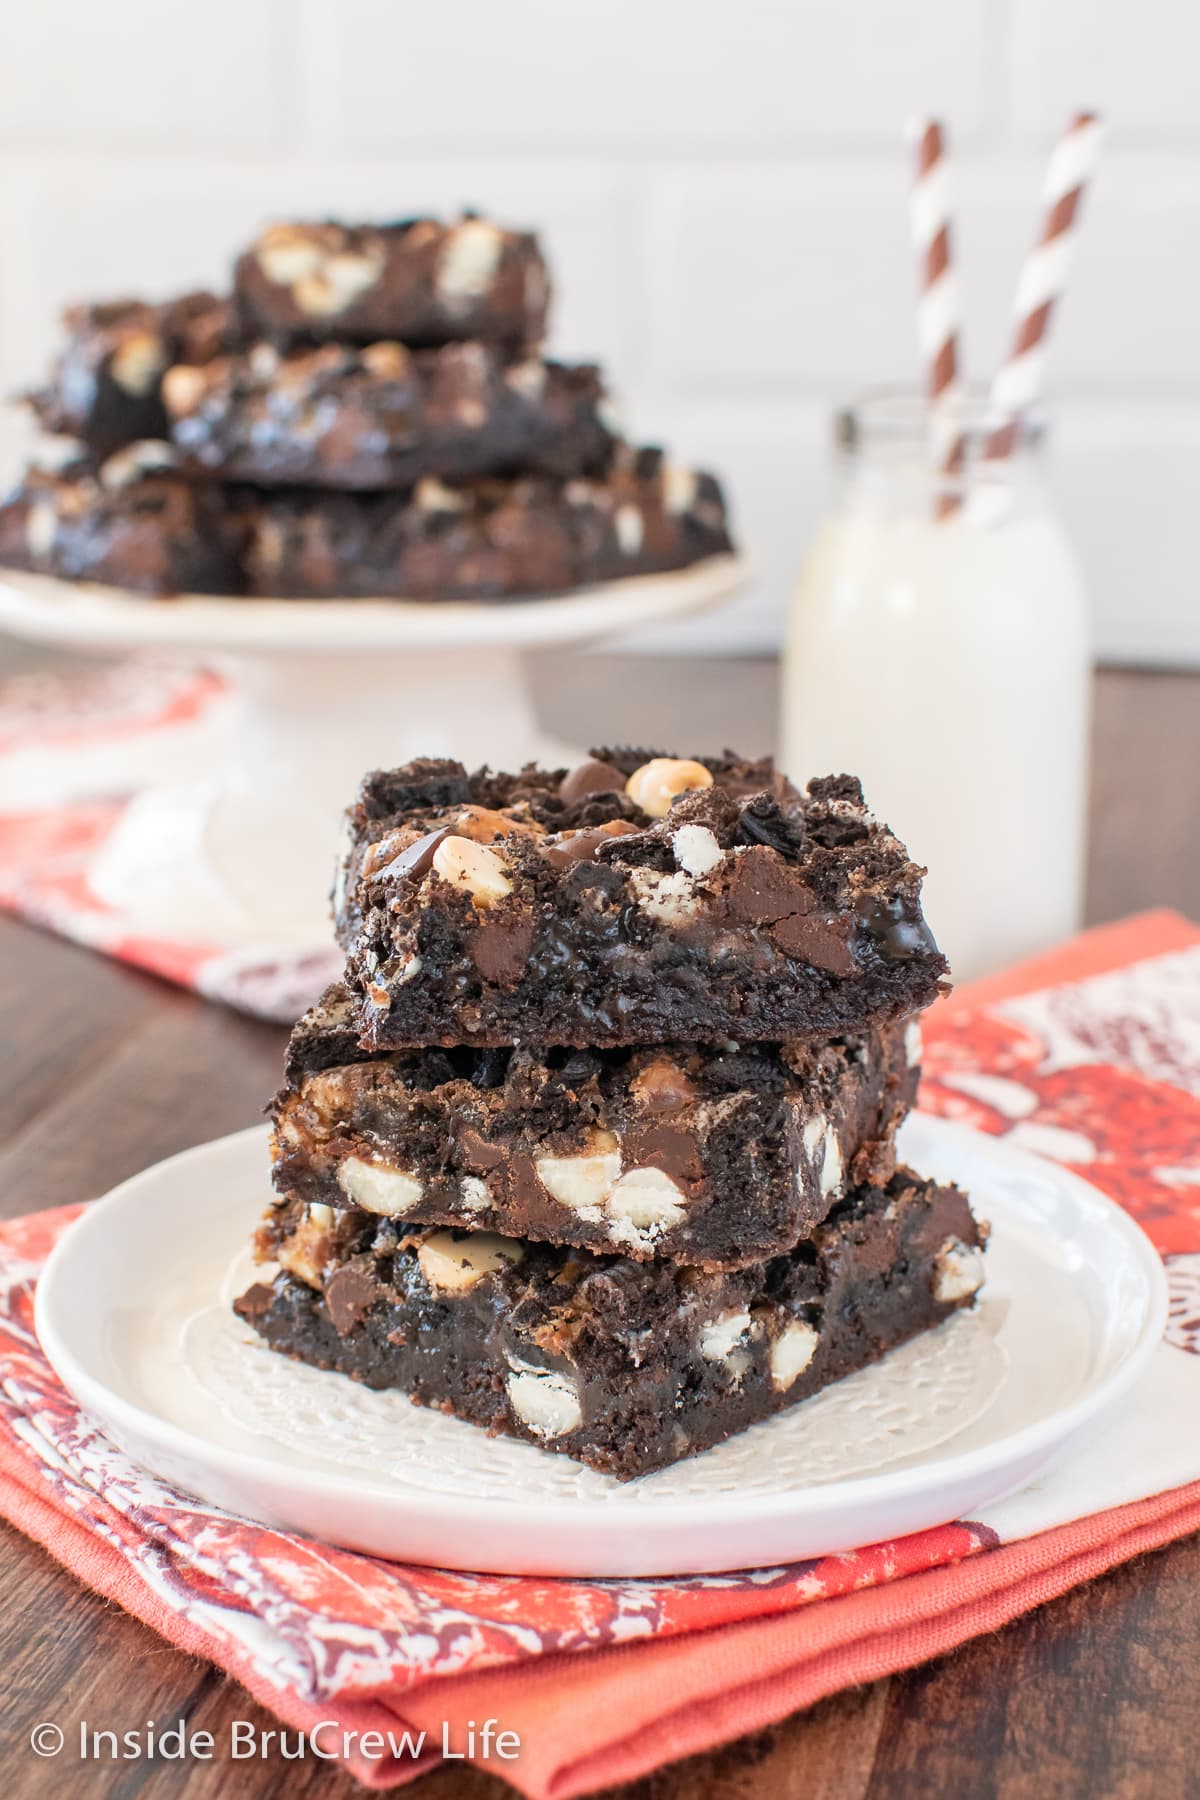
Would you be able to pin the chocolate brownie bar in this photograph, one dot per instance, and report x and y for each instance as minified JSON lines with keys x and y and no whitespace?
{"x":637,"y":899}
{"x":383,"y":416}
{"x":135,"y":522}
{"x":106,"y":386}
{"x":131,"y":522}
{"x":491,"y":540}
{"x":717,"y":1156}
{"x":627,"y":1366}
{"x":419,"y":280}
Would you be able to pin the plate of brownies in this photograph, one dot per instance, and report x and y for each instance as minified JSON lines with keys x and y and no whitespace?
{"x":594,"y":1232}
{"x":369,"y":415}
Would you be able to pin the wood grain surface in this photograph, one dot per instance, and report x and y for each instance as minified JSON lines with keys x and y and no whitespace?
{"x":103,"y":1071}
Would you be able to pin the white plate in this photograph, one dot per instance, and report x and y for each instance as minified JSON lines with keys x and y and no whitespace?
{"x":87,"y":613}
{"x":129,"y":1313}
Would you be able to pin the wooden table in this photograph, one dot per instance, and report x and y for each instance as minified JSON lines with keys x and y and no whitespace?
{"x":105,"y":1070}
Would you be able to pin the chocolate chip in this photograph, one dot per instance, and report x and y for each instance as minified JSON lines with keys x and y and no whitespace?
{"x":665,"y":1147}
{"x":816,"y":940}
{"x":500,"y":948}
{"x":476,"y":1152}
{"x":591,"y":777}
{"x":897,"y":933}
{"x":255,"y":1303}
{"x":767,"y":892}
{"x":348,"y":1297}
{"x":581,"y":846}
{"x":417,"y":859}
{"x":762,"y":888}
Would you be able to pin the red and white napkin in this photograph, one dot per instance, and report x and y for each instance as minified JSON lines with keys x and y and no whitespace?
{"x":74,"y":751}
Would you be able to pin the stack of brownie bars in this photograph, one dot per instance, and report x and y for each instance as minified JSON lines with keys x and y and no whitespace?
{"x":369,"y":413}
{"x":595,"y":1143}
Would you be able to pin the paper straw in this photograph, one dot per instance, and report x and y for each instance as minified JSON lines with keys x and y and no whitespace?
{"x":1020,"y":380}
{"x":938,"y":310}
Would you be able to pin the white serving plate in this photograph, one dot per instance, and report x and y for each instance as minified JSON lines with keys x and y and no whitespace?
{"x":132,"y":1312}
{"x":89,"y":614}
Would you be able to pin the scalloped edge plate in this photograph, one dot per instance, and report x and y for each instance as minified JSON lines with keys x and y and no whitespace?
{"x":1073,"y":1285}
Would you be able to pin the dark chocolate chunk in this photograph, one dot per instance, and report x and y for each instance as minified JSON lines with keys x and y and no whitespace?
{"x":591,"y":777}
{"x":349,"y":1293}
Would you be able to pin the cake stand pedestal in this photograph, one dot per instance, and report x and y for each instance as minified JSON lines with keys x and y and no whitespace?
{"x":242,"y":856}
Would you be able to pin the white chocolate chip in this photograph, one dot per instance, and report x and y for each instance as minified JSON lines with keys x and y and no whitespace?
{"x":408,"y":971}
{"x":820,"y":1139}
{"x":473,"y":1194}
{"x":696,"y":849}
{"x":679,"y":489}
{"x":320,"y":1214}
{"x":814,"y":1134}
{"x":791,"y":1353}
{"x":148,"y":457}
{"x":41,"y":529}
{"x":671,"y":899}
{"x":337,"y":282}
{"x":630,"y":529}
{"x":453,"y":1261}
{"x":432,"y":495}
{"x":468,"y":262}
{"x":912,"y":1043}
{"x":958,"y":1272}
{"x":264,"y":362}
{"x":583,"y":1182}
{"x":726,"y":1339}
{"x":138,"y":362}
{"x":527,"y":379}
{"x":543,"y":1399}
{"x":721,"y":1334}
{"x":286,"y":255}
{"x":643,"y":1205}
{"x":183,"y":388}
{"x":831,"y":1165}
{"x":474,"y":868}
{"x":657,"y":784}
{"x":379,"y":1187}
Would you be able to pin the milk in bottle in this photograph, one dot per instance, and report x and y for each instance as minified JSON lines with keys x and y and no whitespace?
{"x":939,"y":650}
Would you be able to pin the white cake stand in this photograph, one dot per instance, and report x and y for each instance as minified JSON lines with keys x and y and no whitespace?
{"x":325,"y":690}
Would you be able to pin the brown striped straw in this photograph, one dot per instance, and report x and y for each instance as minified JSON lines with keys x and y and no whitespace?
{"x":1019,"y":382}
{"x":938,"y":312}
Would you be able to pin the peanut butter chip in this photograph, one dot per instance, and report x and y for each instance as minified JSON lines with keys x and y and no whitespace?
{"x":656,"y":785}
{"x":662,"y":1087}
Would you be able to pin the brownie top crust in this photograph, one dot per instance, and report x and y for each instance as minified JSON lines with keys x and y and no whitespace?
{"x":638,"y":898}
{"x":422,"y":280}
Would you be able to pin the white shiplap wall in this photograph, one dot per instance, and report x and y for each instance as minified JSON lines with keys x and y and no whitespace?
{"x":722,"y":187}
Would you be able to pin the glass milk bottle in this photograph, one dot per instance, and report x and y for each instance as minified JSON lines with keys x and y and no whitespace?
{"x":939,"y":649}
